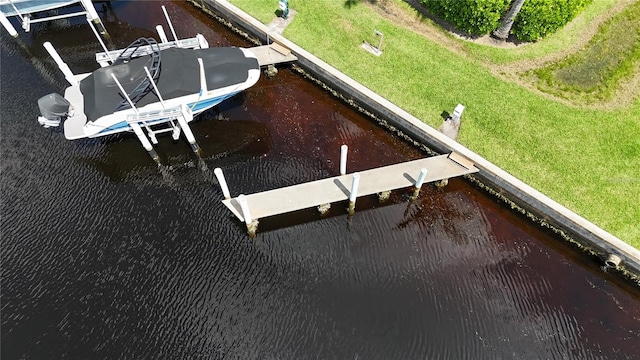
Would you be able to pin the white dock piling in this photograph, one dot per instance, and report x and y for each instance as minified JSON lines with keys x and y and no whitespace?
{"x":222,"y":182}
{"x":244,"y":206}
{"x":252,"y":225}
{"x":418,"y":185}
{"x":353,"y":195}
{"x":343,"y":159}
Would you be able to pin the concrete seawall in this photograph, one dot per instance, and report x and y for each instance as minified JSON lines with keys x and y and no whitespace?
{"x":524,"y":198}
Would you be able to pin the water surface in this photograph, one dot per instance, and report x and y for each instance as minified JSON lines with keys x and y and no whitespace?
{"x":104,"y":255}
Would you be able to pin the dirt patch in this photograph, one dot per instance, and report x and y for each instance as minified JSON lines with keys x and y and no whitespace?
{"x":420,"y":21}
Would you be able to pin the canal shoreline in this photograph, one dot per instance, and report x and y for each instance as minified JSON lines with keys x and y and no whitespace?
{"x":518,"y":195}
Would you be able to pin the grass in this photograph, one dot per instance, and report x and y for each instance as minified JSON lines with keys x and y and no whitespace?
{"x":594,"y":72}
{"x":585,"y":159}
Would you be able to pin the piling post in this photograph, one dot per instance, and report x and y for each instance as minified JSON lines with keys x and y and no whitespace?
{"x":384,"y":196}
{"x":418,"y":185}
{"x":183,"y":120}
{"x":145,"y":142}
{"x":222,"y":182}
{"x":324,"y":209}
{"x":252,"y":225}
{"x":354,"y":193}
{"x":343,"y":159}
{"x":442,"y":183}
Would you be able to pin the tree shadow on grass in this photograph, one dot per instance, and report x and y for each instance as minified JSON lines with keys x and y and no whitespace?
{"x":351,"y":3}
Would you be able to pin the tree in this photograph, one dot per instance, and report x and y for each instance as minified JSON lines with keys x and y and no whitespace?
{"x":507,"y":22}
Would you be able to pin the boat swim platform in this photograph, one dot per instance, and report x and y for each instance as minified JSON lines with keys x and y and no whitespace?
{"x":335,"y":189}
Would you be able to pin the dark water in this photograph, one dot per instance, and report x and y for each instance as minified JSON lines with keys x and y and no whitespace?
{"x":105,"y":256}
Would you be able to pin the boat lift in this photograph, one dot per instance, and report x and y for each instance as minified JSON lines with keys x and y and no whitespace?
{"x":23,"y":10}
{"x":175,"y":118}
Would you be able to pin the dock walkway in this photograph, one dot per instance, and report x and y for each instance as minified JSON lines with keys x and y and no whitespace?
{"x":331,"y":190}
{"x":272,"y":54}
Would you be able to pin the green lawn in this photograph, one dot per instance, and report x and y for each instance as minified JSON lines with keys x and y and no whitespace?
{"x":594,"y":72}
{"x":588,"y":160}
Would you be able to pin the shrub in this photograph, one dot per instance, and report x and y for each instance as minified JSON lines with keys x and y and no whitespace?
{"x":476,"y":17}
{"x":538,"y":18}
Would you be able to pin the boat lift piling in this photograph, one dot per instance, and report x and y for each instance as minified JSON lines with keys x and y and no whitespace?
{"x":68,"y":74}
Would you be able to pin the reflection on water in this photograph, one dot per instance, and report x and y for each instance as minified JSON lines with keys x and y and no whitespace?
{"x":107,"y":255}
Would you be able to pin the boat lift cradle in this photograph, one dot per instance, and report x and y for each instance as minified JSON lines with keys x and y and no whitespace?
{"x":175,"y":118}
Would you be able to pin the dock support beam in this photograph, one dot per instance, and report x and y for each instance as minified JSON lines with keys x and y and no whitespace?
{"x":354,"y":193}
{"x":418,"y":185}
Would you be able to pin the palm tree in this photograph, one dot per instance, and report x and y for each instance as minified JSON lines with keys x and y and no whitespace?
{"x":507,"y":22}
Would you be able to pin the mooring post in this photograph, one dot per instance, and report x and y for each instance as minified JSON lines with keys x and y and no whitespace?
{"x":416,"y":189}
{"x":343,"y":159}
{"x":222,"y":182}
{"x":252,"y":225}
{"x":354,"y":193}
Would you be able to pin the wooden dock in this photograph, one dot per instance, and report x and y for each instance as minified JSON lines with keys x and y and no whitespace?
{"x":272,"y":54}
{"x":331,"y":190}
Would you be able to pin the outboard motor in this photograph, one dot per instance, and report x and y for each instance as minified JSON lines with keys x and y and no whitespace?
{"x":53,"y":108}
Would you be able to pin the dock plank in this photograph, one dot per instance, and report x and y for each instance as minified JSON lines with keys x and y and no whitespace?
{"x":331,"y":190}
